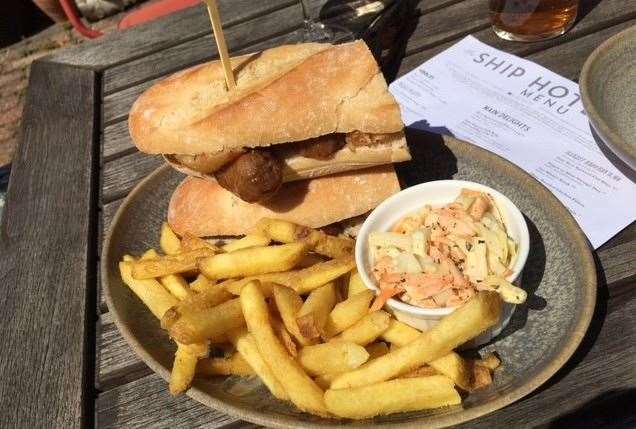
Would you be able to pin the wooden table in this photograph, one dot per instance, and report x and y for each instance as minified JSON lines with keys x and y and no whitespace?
{"x":64,"y":363}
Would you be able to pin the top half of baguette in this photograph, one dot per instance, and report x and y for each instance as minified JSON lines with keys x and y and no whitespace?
{"x":284,"y":94}
{"x":203,"y":208}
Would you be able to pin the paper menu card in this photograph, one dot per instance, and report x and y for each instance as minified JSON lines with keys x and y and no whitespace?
{"x":528,"y":115}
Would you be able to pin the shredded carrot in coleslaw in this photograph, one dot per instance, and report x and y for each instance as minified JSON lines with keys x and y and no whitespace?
{"x":440,"y":257}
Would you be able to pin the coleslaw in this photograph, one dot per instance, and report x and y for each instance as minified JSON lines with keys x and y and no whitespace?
{"x":440,"y":257}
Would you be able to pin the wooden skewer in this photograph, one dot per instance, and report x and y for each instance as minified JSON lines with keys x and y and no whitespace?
{"x":215,"y":19}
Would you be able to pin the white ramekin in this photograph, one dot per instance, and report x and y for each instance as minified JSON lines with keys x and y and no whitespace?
{"x":438,"y":193}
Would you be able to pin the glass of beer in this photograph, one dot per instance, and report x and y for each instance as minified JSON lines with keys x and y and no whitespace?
{"x":532,"y":20}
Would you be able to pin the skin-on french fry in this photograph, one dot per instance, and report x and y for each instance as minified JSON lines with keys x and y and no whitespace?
{"x":355,"y":284}
{"x":150,"y":291}
{"x":481,"y":377}
{"x":201,"y":283}
{"x":451,"y":365}
{"x":199,"y":325}
{"x":302,"y":281}
{"x":490,"y":361}
{"x":250,"y":240}
{"x":320,"y":274}
{"x":324,"y":380}
{"x":247,"y":347}
{"x":149,"y":254}
{"x":312,"y":316}
{"x":302,"y":390}
{"x":288,"y":303}
{"x":183,"y":367}
{"x":234,"y":286}
{"x":168,"y":240}
{"x":400,"y":334}
{"x":208,"y":298}
{"x":463,"y":324}
{"x":346,"y":313}
{"x":310,"y":259}
{"x":195,"y":303}
{"x":253,"y":261}
{"x":400,"y":395}
{"x":288,"y":232}
{"x":191,"y":242}
{"x":284,"y":337}
{"x":174,"y":264}
{"x":175,"y":283}
{"x":367,"y":329}
{"x":156,"y":299}
{"x":376,"y":350}
{"x":423,"y":371}
{"x":234,"y":365}
{"x":456,"y":368}
{"x":330,"y":358}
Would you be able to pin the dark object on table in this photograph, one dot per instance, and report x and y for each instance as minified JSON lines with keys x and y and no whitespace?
{"x":608,"y":91}
{"x":5,"y":171}
{"x":19,"y":19}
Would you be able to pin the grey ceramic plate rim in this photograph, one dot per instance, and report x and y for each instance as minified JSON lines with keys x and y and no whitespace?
{"x":541,"y":193}
{"x":596,"y":119}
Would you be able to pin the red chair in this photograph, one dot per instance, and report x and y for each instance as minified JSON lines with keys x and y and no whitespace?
{"x":143,"y":14}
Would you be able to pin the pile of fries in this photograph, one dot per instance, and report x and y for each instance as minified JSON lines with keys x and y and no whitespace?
{"x":296,"y":314}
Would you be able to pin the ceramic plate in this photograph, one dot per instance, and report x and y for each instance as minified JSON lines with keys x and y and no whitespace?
{"x":608,"y":90}
{"x":542,"y":335}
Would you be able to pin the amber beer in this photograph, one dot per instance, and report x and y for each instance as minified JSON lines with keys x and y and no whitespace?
{"x":530,"y":20}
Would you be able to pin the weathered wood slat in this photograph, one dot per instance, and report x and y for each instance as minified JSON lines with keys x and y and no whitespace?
{"x":611,"y":13}
{"x":116,"y":106}
{"x":123,"y":46}
{"x":117,"y":364}
{"x":201,"y":49}
{"x":47,"y":268}
{"x":146,"y":403}
{"x":625,"y":236}
{"x":619,"y":263}
{"x":567,"y":59}
{"x":106,"y":216}
{"x":116,"y":141}
{"x":447,"y":24}
{"x":122,"y":174}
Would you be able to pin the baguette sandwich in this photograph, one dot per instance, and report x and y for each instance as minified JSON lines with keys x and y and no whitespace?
{"x":298,"y":112}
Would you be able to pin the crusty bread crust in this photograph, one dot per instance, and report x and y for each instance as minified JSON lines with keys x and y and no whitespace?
{"x":346,"y":159}
{"x":284,"y":94}
{"x":205,"y":209}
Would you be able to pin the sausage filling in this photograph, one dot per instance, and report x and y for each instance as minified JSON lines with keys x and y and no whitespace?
{"x":256,"y":174}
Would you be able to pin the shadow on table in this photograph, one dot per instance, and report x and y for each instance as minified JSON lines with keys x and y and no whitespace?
{"x":431,"y":158}
{"x":610,"y":409}
{"x":532,"y":277}
{"x":385,"y":26}
{"x":585,"y":7}
{"x":611,"y":156}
